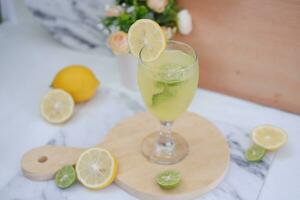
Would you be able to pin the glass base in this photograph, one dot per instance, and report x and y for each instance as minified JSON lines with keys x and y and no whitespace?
{"x":157,"y":150}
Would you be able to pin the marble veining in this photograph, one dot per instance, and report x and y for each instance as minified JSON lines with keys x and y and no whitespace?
{"x":244,"y":180}
{"x":93,"y":119}
{"x":72,"y":22}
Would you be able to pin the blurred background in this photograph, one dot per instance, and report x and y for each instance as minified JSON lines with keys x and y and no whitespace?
{"x":249,"y":49}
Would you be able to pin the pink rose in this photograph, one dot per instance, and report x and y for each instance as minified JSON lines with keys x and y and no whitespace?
{"x":118,"y":42}
{"x":157,"y":5}
{"x":114,"y":11}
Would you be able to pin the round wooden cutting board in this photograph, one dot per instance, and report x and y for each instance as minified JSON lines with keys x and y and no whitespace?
{"x":202,"y":170}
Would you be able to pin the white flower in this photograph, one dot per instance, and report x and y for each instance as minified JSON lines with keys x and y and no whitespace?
{"x":114,"y":11}
{"x":168,"y":31}
{"x":118,"y":42}
{"x":100,"y":26}
{"x":105,"y":32}
{"x":157,"y":5}
{"x":130,"y":9}
{"x":184,"y":22}
{"x":113,"y":28}
{"x":107,"y":6}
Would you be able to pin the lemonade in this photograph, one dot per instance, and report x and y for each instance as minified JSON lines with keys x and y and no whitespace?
{"x":167,"y":78}
{"x":168,"y":84}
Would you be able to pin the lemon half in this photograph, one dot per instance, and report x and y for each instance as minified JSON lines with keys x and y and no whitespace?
{"x":269,"y":137}
{"x":57,"y":106}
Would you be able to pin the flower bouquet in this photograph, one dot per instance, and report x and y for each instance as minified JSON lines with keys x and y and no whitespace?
{"x":123,"y":13}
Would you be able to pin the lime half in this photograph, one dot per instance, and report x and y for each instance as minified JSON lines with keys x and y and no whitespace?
{"x":255,"y":153}
{"x":168,"y":179}
{"x":65,"y":177}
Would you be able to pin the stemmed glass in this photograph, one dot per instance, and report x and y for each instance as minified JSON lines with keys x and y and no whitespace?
{"x":168,"y":85}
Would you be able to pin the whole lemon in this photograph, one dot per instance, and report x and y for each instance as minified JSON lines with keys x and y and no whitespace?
{"x":77,"y":80}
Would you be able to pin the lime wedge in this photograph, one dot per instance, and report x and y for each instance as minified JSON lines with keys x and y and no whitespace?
{"x":255,"y":153}
{"x":65,"y":177}
{"x":168,"y":179}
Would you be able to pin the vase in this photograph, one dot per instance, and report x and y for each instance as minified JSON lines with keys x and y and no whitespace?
{"x":128,"y":71}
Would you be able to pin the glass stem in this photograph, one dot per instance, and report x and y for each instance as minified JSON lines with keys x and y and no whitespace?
{"x":165,"y":141}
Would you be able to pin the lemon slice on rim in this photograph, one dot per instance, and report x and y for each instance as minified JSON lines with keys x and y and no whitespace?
{"x":57,"y":106}
{"x":146,"y":34}
{"x":96,"y":168}
{"x":269,"y":137}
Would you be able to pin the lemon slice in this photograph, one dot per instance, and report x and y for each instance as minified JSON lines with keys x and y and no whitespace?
{"x":269,"y":137}
{"x":57,"y":106}
{"x":96,"y":168}
{"x":146,"y":34}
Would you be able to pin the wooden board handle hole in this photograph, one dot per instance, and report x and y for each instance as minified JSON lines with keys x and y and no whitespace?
{"x":42,"y":159}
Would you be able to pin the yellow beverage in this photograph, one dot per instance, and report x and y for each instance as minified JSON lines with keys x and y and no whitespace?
{"x":168,"y":84}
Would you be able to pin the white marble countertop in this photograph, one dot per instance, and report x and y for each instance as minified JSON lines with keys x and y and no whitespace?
{"x":29,"y":60}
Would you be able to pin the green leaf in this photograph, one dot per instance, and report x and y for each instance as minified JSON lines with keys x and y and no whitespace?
{"x":127,"y":2}
{"x":141,"y":11}
{"x":160,"y":97}
{"x":108,"y":21}
{"x":149,"y":16}
{"x":125,"y":21}
{"x":169,"y":16}
{"x":166,"y":91}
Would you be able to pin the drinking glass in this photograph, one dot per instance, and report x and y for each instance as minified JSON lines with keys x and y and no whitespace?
{"x":168,"y":85}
